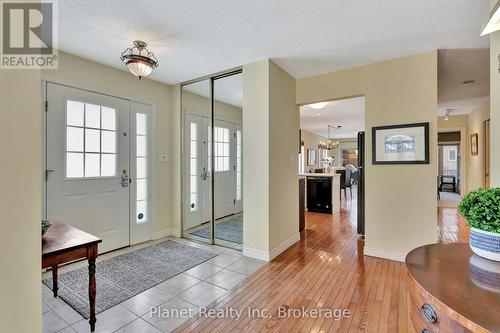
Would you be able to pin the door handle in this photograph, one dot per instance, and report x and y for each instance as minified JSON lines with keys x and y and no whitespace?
{"x":124,"y":180}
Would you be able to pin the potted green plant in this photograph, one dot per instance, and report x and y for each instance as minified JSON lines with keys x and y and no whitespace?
{"x":481,"y":209}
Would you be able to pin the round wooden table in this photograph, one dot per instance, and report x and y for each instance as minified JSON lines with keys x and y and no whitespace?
{"x":453,"y":290}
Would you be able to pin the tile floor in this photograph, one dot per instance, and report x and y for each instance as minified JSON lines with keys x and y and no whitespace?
{"x":198,"y":286}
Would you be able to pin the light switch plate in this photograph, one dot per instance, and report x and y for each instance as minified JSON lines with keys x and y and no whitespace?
{"x":163,"y":157}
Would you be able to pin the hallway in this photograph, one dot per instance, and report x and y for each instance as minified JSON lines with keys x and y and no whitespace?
{"x":326,"y":270}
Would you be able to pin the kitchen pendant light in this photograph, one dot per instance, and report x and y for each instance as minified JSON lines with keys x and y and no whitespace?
{"x":139,"y":60}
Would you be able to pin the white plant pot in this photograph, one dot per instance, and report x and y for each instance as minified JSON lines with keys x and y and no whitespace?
{"x":485,"y":244}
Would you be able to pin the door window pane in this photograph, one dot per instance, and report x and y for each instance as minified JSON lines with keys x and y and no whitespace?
{"x":141,"y":123}
{"x":142,"y":211}
{"x":74,"y":139}
{"x":92,"y":115}
{"x":141,"y":167}
{"x":92,"y":141}
{"x":74,"y":113}
{"x":92,"y":165}
{"x":108,"y":141}
{"x":108,"y":165}
{"x":85,"y":136}
{"x":108,"y":118}
{"x":74,"y":165}
{"x":141,"y":145}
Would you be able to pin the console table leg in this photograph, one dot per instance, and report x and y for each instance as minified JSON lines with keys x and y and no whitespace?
{"x":92,"y":287}
{"x":55,"y":287}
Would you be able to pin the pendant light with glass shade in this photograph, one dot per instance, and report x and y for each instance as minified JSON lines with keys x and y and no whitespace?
{"x":139,"y":60}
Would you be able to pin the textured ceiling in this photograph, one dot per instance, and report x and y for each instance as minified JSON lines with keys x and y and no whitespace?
{"x":455,"y":67}
{"x":193,"y":38}
{"x":348,"y":113}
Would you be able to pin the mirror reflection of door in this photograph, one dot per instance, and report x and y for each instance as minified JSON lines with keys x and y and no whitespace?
{"x":227,"y":159}
{"x":221,"y":171}
{"x":197,"y":182}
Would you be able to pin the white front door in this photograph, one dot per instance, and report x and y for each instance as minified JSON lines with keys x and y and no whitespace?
{"x":88,"y":163}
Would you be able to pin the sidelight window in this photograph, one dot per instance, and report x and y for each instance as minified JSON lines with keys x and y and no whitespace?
{"x":238,"y":165}
{"x":141,"y":167}
{"x":193,"y":167}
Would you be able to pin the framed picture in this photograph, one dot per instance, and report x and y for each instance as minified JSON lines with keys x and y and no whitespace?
{"x":311,"y":157}
{"x":401,"y":144}
{"x":473,"y":144}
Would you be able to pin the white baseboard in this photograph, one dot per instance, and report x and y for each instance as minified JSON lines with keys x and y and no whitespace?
{"x":396,"y":256}
{"x":283,"y":246}
{"x":167,"y":232}
{"x":256,"y":254}
{"x":268,"y":256}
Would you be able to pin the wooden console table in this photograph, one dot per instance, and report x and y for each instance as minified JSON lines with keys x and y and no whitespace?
{"x":63,"y":244}
{"x":453,"y":290}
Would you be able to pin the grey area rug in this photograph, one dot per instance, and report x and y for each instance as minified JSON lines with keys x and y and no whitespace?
{"x":127,"y":275}
{"x":230,"y":230}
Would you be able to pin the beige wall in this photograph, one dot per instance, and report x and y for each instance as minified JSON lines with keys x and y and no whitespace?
{"x":256,"y":156}
{"x":270,"y":138}
{"x":284,"y":122}
{"x":495,"y":106}
{"x":311,"y":141}
{"x":82,"y":73}
{"x":454,"y":122}
{"x":200,"y":105}
{"x":476,"y":163}
{"x":398,"y":91}
{"x":20,"y":201}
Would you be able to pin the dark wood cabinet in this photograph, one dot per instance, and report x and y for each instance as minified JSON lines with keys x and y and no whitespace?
{"x":302,"y":203}
{"x":445,"y":294}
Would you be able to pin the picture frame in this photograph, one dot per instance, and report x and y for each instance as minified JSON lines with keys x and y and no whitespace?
{"x":311,"y":157}
{"x":401,"y":144}
{"x":474,"y":145}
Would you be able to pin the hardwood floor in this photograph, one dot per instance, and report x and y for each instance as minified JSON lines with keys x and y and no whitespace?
{"x":326,"y":270}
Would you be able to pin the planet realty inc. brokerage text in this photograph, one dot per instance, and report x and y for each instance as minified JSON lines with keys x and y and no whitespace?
{"x":229,"y":312}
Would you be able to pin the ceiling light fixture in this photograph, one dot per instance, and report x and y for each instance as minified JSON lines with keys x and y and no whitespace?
{"x":139,"y":60}
{"x":494,"y":22}
{"x":331,"y":144}
{"x":317,"y":106}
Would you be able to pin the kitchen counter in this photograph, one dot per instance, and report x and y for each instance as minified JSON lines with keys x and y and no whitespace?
{"x":335,"y":187}
{"x":319,"y":175}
